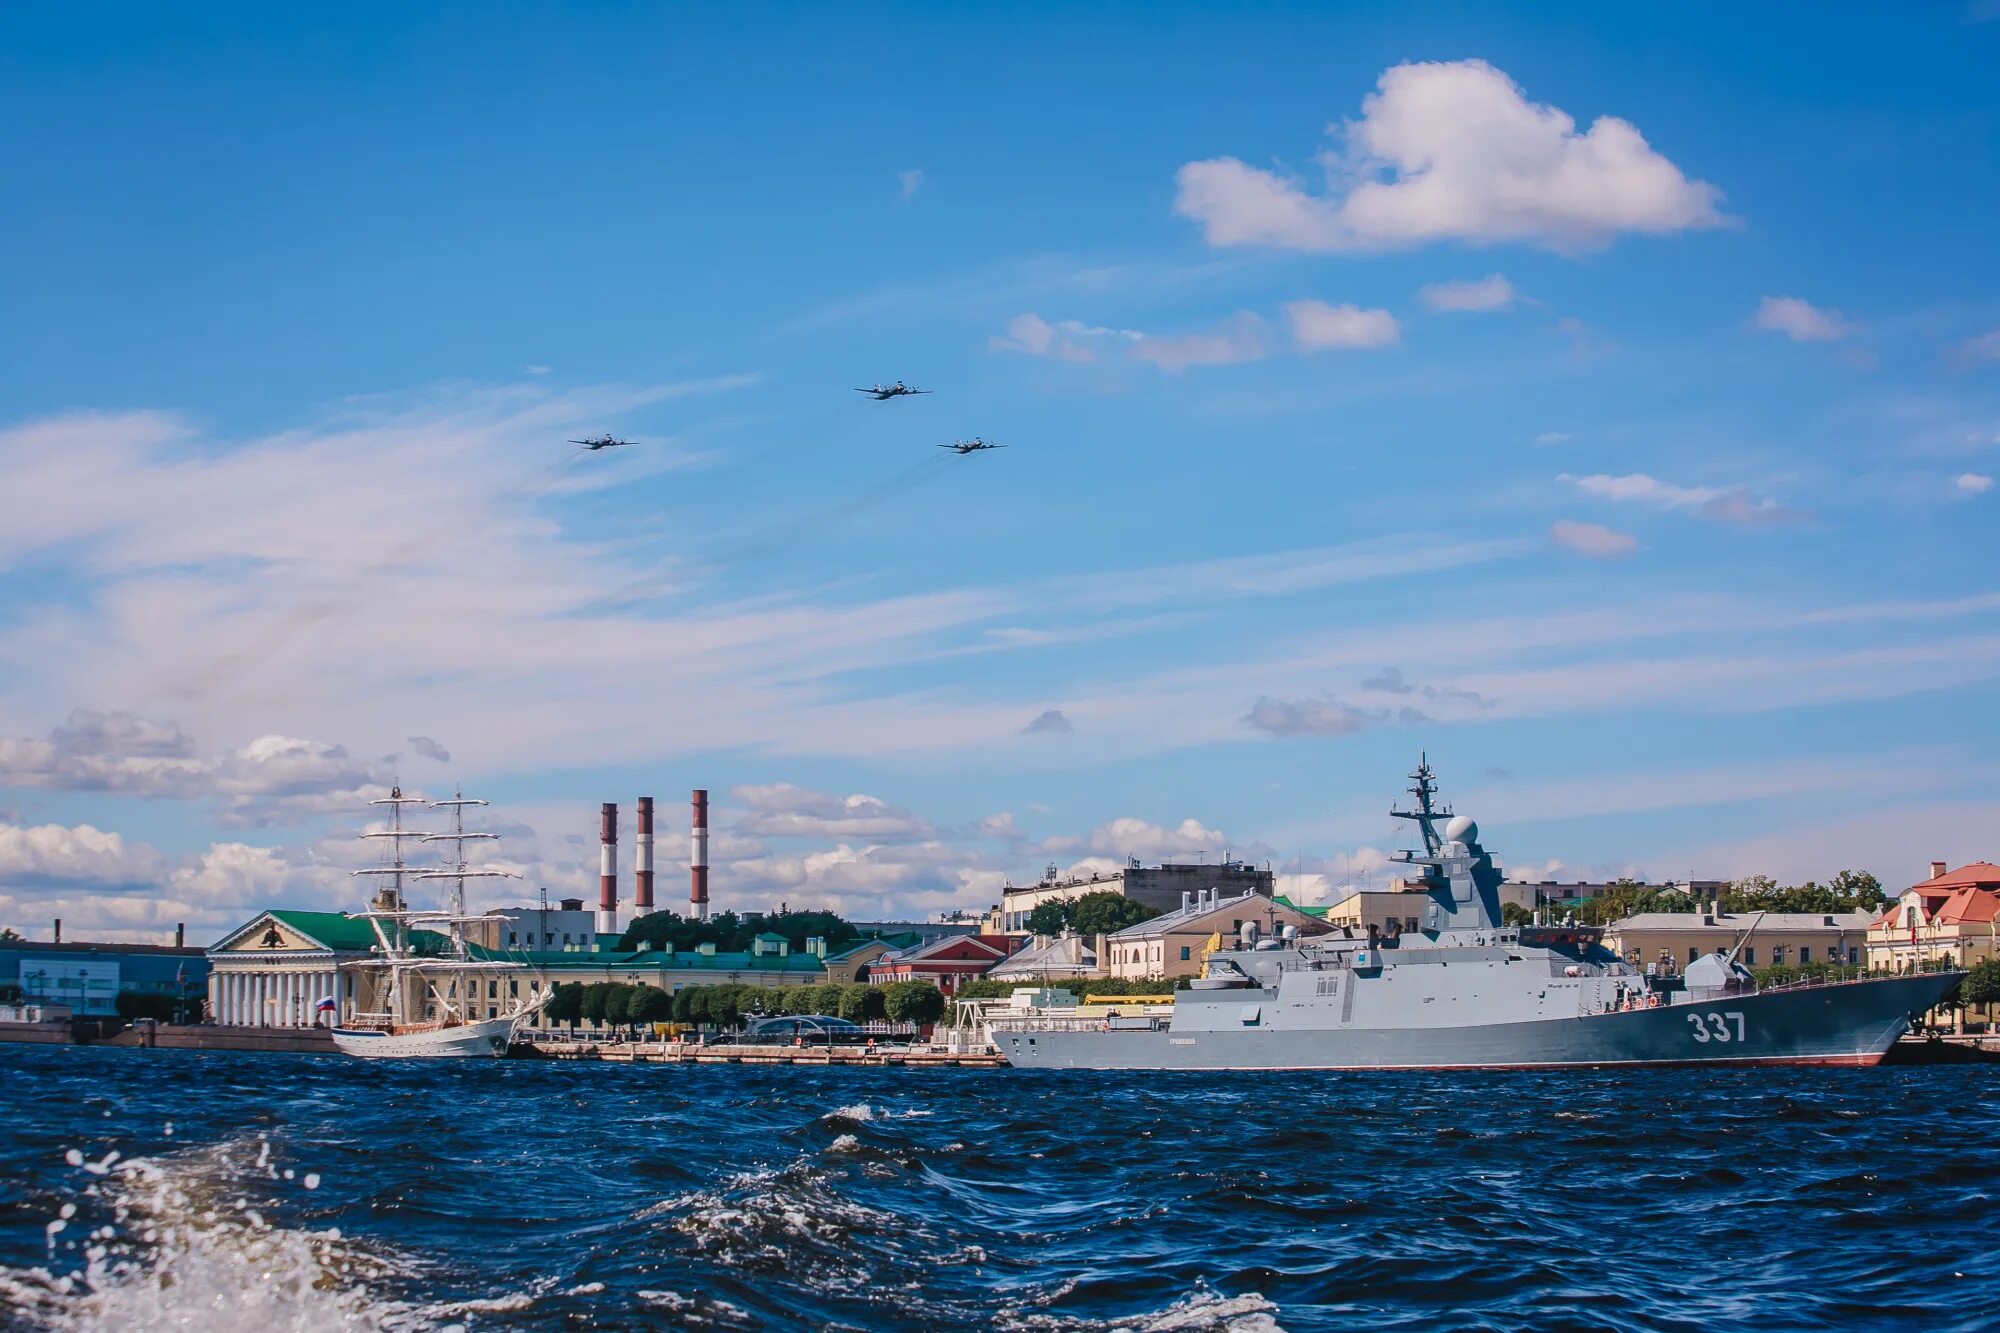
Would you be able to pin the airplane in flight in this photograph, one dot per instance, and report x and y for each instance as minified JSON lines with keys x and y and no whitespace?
{"x":975,"y":445}
{"x":882,"y":393}
{"x":596,"y":442}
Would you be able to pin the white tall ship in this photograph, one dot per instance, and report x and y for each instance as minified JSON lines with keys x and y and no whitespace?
{"x":426,"y":979}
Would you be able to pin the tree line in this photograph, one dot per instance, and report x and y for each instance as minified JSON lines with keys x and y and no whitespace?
{"x":731,"y":933}
{"x":1099,"y":913}
{"x":1848,"y":891}
{"x":730,"y":1005}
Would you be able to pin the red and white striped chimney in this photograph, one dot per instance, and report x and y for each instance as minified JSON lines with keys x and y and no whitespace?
{"x":642,"y":890}
{"x":607,"y":870}
{"x":698,"y":860}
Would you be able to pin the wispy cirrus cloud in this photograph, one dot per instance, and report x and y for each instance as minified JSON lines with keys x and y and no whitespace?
{"x":1801,"y":321}
{"x":1734,"y":506}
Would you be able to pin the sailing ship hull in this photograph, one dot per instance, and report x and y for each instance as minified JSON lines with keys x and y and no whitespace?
{"x":485,"y":1039}
{"x":1849,"y":1024}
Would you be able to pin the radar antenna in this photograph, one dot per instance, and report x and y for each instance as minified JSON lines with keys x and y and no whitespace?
{"x":1424,"y":788}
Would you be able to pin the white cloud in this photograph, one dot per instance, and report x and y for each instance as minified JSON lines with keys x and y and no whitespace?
{"x":1128,"y":836}
{"x":1317,"y":326}
{"x":1454,"y":151}
{"x":56,"y":853}
{"x":1591,"y":539}
{"x":1242,"y":337}
{"x":430,"y":749}
{"x":1801,"y":321}
{"x":1492,"y":292}
{"x":782,"y":810}
{"x":909,"y":182}
{"x":1985,"y":347}
{"x":1735,"y":506}
{"x":1065,"y":340}
{"x":1553,"y":437}
{"x":1972,"y":483}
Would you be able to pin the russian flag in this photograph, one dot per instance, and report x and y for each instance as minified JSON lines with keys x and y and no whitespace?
{"x":326,"y":1006}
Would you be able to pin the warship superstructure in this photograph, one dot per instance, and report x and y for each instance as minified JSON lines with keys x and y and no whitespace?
{"x":1466,"y":991}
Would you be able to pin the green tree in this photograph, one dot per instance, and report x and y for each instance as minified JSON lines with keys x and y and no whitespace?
{"x":916,"y":1002}
{"x":860,"y":1003}
{"x":591,"y":1010}
{"x":565,"y":1003}
{"x":653,"y":1005}
{"x":1050,"y":918}
{"x":9,"y":935}
{"x":1861,"y":889}
{"x":1982,"y":983}
{"x":1105,"y":913}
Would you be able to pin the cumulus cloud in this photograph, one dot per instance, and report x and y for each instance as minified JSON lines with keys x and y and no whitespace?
{"x":1129,"y":836}
{"x":1972,"y":483}
{"x":1065,"y":340}
{"x":83,"y":854}
{"x":1049,"y":722}
{"x":270,"y":779}
{"x":1801,"y":321}
{"x":1454,"y":151}
{"x":1492,"y":292}
{"x":1317,"y":326}
{"x":430,"y":749}
{"x":1592,"y":539}
{"x":1736,"y":506}
{"x":782,"y":810}
{"x":908,"y":183}
{"x":1242,"y":337}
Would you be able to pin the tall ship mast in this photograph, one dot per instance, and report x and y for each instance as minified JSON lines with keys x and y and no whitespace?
{"x":422,"y":982}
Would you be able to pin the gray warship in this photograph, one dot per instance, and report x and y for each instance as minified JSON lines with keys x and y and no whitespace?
{"x":1468,"y":992}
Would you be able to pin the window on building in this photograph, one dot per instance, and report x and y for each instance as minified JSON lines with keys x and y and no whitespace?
{"x":510,"y":939}
{"x":1694,"y":952}
{"x":1750,"y":956}
{"x":1184,"y":953}
{"x":513,"y":989}
{"x":492,"y":990}
{"x":1805,"y":953}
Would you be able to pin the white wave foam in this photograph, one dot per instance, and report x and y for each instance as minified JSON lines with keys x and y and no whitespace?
{"x":182,"y":1250}
{"x":845,"y":1143}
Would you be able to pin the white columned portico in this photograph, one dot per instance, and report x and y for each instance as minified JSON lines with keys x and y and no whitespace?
{"x":232,"y":997}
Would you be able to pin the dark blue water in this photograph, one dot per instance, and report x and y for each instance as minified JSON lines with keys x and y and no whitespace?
{"x":316,"y":1192}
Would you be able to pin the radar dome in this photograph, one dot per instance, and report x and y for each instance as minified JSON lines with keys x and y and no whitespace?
{"x":1461,"y":829}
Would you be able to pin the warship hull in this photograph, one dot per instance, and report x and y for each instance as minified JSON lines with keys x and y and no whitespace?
{"x":1843,"y":1024}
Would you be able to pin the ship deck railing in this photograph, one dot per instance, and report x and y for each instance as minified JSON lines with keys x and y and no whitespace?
{"x":1081,"y":1023}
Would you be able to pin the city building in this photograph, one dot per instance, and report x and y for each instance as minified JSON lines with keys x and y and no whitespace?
{"x":1780,"y":937}
{"x":1950,"y":919}
{"x":1390,"y":911}
{"x":87,"y":978}
{"x":944,"y":962}
{"x":851,"y":964}
{"x":905,"y":933}
{"x":1176,"y":944}
{"x":274,"y":970}
{"x":1065,"y":957}
{"x":1159,"y":887}
{"x":544,"y":929}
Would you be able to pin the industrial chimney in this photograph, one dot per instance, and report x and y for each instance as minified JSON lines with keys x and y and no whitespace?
{"x":642,"y":890}
{"x":698,"y":860}
{"x":607,"y":871}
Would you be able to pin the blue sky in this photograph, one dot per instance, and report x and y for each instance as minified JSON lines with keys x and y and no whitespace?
{"x":1604,"y":400}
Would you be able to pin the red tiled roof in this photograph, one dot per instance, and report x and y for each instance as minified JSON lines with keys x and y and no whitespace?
{"x":1980,"y":873}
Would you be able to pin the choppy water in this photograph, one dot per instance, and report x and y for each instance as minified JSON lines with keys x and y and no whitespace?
{"x":161,"y":1189}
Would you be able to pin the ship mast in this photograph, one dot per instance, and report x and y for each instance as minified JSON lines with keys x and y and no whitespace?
{"x":1424,"y":788}
{"x":456,"y":869}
